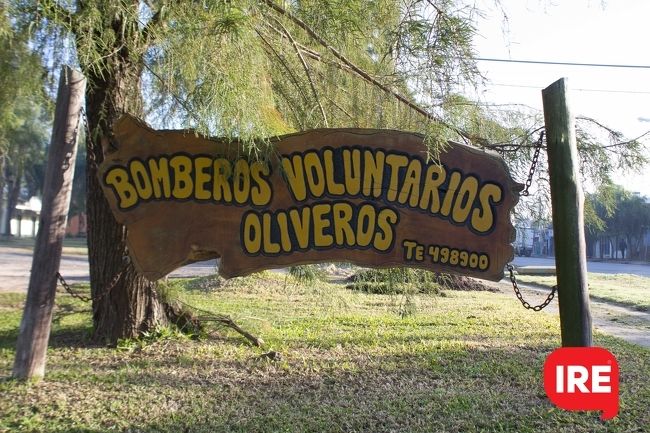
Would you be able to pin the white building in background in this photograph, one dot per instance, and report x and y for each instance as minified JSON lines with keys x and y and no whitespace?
{"x":25,"y":219}
{"x":534,"y":241}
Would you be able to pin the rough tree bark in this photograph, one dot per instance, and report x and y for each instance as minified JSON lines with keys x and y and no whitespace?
{"x":124,"y":303}
{"x":31,"y":345}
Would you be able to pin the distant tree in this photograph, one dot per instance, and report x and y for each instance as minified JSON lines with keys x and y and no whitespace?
{"x":23,"y":117}
{"x":617,"y":213}
{"x":631,"y":220}
{"x":24,"y":156}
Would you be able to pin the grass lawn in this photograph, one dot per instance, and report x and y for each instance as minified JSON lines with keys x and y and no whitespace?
{"x":626,"y":289}
{"x":76,"y":246}
{"x":465,"y":362}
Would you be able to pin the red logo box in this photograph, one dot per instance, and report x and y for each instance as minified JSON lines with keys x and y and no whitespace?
{"x":583,"y":378}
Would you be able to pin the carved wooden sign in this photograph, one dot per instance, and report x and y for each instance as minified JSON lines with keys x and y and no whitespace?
{"x":364,"y":196}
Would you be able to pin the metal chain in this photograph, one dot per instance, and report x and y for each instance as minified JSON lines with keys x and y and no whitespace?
{"x":533,"y":166}
{"x":68,"y":156}
{"x":89,"y":137}
{"x":526,"y":305}
{"x":84,"y":119}
{"x":68,"y":289}
{"x":83,"y":298}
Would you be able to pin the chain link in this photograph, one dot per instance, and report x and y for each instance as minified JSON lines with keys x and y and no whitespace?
{"x":533,"y":166}
{"x":68,"y":289}
{"x":68,"y":156}
{"x":526,"y":305}
{"x":83,"y":298}
{"x":89,"y":137}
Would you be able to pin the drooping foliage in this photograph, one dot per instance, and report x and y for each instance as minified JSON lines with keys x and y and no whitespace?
{"x":514,"y":131}
{"x":242,"y":69}
{"x":255,"y":68}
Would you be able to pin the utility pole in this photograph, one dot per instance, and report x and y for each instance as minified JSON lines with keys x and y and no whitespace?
{"x":568,"y":219}
{"x":35,"y":325}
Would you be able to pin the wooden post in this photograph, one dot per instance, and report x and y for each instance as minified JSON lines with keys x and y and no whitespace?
{"x":37,"y":317}
{"x":568,"y":221}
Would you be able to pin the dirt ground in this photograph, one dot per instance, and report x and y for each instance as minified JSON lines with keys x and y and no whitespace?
{"x":627,"y":323}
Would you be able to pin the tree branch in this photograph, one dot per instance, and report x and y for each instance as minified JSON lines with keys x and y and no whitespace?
{"x":209,"y":316}
{"x":307,"y":71}
{"x":156,"y":19}
{"x":363,"y":74}
{"x":273,"y":51}
{"x":625,"y":143}
{"x":54,"y":11}
{"x":177,"y":98}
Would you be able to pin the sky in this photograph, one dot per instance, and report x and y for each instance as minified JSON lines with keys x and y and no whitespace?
{"x":577,"y":31}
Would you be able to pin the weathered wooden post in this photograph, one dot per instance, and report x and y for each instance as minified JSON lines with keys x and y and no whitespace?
{"x":568,"y":221}
{"x":35,"y":326}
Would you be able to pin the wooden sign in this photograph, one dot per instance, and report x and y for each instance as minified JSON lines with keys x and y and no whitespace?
{"x":363,"y":196}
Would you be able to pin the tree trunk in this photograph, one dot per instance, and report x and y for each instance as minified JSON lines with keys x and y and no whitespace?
{"x":124,"y":303}
{"x":601,"y":245}
{"x":31,"y":345}
{"x":13,"y":188}
{"x":2,"y":191}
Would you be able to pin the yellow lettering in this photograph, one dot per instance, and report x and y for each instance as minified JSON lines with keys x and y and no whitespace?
{"x":465,"y":199}
{"x":342,"y":215}
{"x":314,"y":174}
{"x":283,"y":225}
{"x":220,"y":185}
{"x":270,"y":247}
{"x":373,"y":173}
{"x":452,"y":190}
{"x":295,"y":175}
{"x":333,"y":188}
{"x":483,"y":218}
{"x":300,"y":223}
{"x":436,"y":175}
{"x":365,"y":225}
{"x":241,"y":181}
{"x":183,"y":185}
{"x":201,"y":178}
{"x":395,"y":162}
{"x":261,"y":192}
{"x":252,"y":233}
{"x":352,"y":170}
{"x":141,"y":179}
{"x":411,"y":187}
{"x":160,"y":177}
{"x":320,"y":224}
{"x":118,"y":178}
{"x":385,"y":221}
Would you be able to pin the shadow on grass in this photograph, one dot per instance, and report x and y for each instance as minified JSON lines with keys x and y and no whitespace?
{"x":77,"y":336}
{"x":468,"y":390}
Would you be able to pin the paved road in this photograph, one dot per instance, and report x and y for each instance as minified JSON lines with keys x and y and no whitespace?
{"x":599,"y":267}
{"x":15,"y":265}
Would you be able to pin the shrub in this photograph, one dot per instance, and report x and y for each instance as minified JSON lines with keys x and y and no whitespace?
{"x":394,"y":281}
